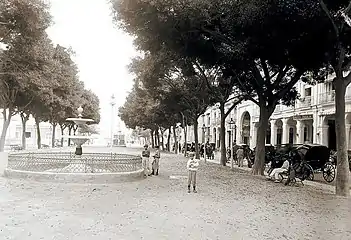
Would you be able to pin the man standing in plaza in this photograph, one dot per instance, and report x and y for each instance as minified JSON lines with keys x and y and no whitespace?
{"x":145,"y":157}
{"x":156,"y":162}
{"x":235,"y":149}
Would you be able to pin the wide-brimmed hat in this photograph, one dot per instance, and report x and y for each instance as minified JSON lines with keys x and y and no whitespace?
{"x":191,"y":154}
{"x":146,"y":145}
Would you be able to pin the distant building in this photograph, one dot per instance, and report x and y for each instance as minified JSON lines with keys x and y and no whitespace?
{"x":14,"y":132}
{"x":311,"y":120}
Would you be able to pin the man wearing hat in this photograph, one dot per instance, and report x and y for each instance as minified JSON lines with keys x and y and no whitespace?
{"x":156,"y":162}
{"x":145,"y":156}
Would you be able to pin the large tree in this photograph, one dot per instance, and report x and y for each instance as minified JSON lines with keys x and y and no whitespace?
{"x":258,"y":43}
{"x":22,"y":26}
{"x":26,"y":68}
{"x":178,"y":84}
{"x":337,"y":30}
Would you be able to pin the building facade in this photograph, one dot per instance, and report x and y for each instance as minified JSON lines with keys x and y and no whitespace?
{"x":310,"y":120}
{"x":14,"y":132}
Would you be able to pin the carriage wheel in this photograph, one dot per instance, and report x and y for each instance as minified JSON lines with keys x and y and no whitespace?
{"x":328,"y":172}
{"x":311,"y":172}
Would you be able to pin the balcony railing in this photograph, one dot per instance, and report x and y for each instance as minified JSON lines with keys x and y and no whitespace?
{"x":327,"y":97}
{"x":306,"y":102}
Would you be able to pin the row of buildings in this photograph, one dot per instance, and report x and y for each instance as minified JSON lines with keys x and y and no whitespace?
{"x":311,"y":120}
{"x":14,"y":135}
{"x":14,"y":132}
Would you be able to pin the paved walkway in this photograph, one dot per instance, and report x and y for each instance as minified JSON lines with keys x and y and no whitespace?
{"x":228,"y":205}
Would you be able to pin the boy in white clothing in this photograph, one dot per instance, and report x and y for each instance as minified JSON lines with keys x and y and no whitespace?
{"x":192,"y":166}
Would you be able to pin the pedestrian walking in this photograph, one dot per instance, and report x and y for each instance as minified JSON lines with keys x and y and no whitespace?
{"x":240,"y":156}
{"x":192,"y":166}
{"x":145,"y":154}
{"x":235,"y":149}
{"x":156,"y":162}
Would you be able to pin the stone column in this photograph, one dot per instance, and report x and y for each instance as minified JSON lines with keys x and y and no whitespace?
{"x":348,"y":126}
{"x":273,"y":132}
{"x":324,"y":135}
{"x":253,"y":134}
{"x":315,"y":132}
{"x":299,"y":131}
{"x":302,"y":92}
{"x":285,"y":137}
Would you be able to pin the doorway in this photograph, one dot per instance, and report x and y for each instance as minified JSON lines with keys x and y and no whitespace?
{"x":331,"y":135}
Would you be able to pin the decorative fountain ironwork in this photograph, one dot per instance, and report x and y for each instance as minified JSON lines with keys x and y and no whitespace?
{"x":75,"y":167}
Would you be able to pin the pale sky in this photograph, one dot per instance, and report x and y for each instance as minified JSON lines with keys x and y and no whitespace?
{"x":102,"y":51}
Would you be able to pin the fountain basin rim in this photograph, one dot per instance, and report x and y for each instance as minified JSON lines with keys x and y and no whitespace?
{"x":79,"y":137}
{"x":80,"y":119}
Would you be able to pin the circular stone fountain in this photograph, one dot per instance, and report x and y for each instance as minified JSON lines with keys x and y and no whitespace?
{"x":75,"y":167}
{"x":79,"y":139}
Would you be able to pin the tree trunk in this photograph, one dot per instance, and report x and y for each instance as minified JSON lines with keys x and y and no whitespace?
{"x":222,"y":136}
{"x":37,"y":123}
{"x":62,"y":132}
{"x":185,"y":124}
{"x":196,"y":135}
{"x":175,"y":140}
{"x":53,"y":135}
{"x":24,"y":118}
{"x":157,"y":140}
{"x":185,"y":140}
{"x":169,"y":139}
{"x":265,"y":113}
{"x":162,"y":139}
{"x":343,"y":172}
{"x":152,"y":139}
{"x":6,"y":124}
{"x":75,"y":128}
{"x":69,"y":134}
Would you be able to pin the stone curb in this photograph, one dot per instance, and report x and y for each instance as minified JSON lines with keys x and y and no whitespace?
{"x":97,"y":178}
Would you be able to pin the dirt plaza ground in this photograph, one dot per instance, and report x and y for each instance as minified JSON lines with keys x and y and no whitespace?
{"x":229,"y":205}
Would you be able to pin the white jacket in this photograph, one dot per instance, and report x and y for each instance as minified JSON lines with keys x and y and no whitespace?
{"x":192,"y":164}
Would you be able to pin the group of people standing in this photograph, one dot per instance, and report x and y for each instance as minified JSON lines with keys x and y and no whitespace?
{"x":241,"y":152}
{"x":153,"y":168}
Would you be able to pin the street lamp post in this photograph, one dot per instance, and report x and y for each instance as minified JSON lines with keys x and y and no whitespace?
{"x":204,"y":139}
{"x":113,"y":103}
{"x":232,"y":127}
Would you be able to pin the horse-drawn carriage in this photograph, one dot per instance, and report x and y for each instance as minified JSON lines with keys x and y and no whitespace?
{"x":270,"y":155}
{"x":333,"y":158}
{"x":306,"y":159}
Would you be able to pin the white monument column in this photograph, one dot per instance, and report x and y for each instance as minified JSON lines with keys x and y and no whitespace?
{"x":285,"y":137}
{"x":299,"y":131}
{"x":273,"y":132}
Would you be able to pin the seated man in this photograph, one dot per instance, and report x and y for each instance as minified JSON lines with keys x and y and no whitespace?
{"x":276,"y":171}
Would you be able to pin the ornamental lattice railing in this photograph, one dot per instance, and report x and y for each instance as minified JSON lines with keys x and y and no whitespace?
{"x":66,"y":162}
